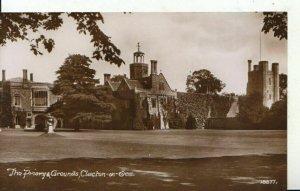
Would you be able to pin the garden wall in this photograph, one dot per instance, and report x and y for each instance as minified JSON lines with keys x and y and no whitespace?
{"x":202,"y":106}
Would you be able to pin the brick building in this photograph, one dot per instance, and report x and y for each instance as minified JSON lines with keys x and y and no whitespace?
{"x":23,"y":101}
{"x":263,"y":81}
{"x":143,"y":94}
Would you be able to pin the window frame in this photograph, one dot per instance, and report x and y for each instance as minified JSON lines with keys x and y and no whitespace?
{"x":43,"y":98}
{"x":15,"y":100}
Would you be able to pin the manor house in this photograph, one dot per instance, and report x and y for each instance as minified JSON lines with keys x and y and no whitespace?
{"x":145,"y":96}
{"x":23,"y":101}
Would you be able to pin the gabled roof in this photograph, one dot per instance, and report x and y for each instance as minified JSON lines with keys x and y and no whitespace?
{"x":114,"y":85}
{"x":133,"y":84}
{"x":161,"y":74}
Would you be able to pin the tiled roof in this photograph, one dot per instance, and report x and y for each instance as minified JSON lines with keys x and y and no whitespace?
{"x":134,"y":84}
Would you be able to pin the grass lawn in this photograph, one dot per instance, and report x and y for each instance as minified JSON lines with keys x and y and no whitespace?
{"x":166,"y":160}
{"x":17,"y":145}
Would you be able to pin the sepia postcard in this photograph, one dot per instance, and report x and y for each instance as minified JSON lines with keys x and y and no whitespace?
{"x":144,"y":100}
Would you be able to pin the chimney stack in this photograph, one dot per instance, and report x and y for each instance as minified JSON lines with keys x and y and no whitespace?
{"x":31,"y":77}
{"x":153,"y":66}
{"x":3,"y":75}
{"x":249,"y":65}
{"x":106,"y":77}
{"x":25,"y":75}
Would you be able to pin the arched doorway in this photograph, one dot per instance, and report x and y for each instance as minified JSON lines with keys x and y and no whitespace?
{"x":59,"y":123}
{"x":40,"y":122}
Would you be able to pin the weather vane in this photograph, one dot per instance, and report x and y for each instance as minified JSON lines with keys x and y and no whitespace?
{"x":138,"y":45}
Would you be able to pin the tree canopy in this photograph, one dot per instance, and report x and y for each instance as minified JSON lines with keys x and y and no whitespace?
{"x":203,"y":81}
{"x":81,"y":102}
{"x":23,"y":26}
{"x":251,"y":108}
{"x":277,"y":116}
{"x":277,"y":22}
{"x":283,"y":86}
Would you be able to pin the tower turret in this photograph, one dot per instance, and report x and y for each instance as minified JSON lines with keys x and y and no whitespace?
{"x":138,"y":69}
{"x":249,"y":65}
{"x":263,"y":69}
{"x":275,"y":70}
{"x":138,"y":56}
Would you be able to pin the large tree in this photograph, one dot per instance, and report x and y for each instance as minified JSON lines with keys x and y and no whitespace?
{"x":283,"y":86}
{"x":32,"y":27}
{"x":81,"y":102}
{"x":203,"y":81}
{"x":277,"y":116}
{"x":277,"y":22}
{"x":251,"y":108}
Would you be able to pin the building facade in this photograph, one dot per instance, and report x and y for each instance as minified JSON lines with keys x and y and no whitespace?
{"x":24,"y":102}
{"x":264,"y":82}
{"x":144,"y":95}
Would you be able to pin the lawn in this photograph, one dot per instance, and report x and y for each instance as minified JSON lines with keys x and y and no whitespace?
{"x":159,"y":159}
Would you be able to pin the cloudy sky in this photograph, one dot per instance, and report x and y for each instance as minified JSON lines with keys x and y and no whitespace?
{"x":180,"y":42}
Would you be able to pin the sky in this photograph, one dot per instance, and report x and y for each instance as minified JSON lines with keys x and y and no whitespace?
{"x":180,"y":42}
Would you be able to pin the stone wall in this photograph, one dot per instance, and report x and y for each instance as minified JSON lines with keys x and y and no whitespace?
{"x":25,"y":97}
{"x":201,"y":106}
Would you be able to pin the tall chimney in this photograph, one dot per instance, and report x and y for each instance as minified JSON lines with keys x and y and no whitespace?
{"x":3,"y":75}
{"x":106,"y":77}
{"x":31,"y":77}
{"x":153,"y":66}
{"x":24,"y":75}
{"x":249,"y":65}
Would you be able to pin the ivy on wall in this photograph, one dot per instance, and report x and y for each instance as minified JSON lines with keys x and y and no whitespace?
{"x":202,"y":105}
